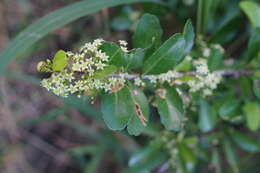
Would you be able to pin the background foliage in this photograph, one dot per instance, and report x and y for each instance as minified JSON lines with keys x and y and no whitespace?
{"x":43,"y":133}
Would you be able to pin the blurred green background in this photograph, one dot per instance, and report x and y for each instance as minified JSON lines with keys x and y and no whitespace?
{"x":41,"y":133}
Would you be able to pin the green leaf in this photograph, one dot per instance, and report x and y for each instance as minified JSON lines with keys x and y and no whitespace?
{"x":207,"y":116}
{"x":140,"y":114}
{"x":60,"y":61}
{"x":187,"y":154}
{"x":148,"y":32}
{"x":256,"y":88}
{"x":147,"y":158}
{"x":48,"y":23}
{"x":254,"y":45}
{"x":245,"y":142}
{"x":116,"y":109}
{"x":252,"y":10}
{"x":215,"y":59}
{"x":188,"y":33}
{"x":230,"y":155}
{"x":252,"y":113}
{"x":170,"y":108}
{"x":228,"y":109}
{"x":246,"y":87}
{"x":115,"y":53}
{"x":184,"y":66}
{"x":167,"y":56}
{"x":107,"y":71}
{"x":135,"y":58}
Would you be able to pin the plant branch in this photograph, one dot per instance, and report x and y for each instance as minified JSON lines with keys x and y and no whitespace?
{"x":234,"y":73}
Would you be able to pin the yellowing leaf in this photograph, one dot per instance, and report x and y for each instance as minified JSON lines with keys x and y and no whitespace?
{"x":60,"y":61}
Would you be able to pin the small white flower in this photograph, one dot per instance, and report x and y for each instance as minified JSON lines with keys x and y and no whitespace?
{"x":206,"y":52}
{"x":188,"y":58}
{"x":207,"y":92}
{"x":100,"y":66}
{"x":152,"y":78}
{"x":123,"y":43}
{"x":139,"y":82}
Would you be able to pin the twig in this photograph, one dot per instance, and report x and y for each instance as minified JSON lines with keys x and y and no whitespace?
{"x":235,"y":73}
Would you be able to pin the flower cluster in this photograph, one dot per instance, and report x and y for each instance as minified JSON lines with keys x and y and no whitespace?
{"x":204,"y":80}
{"x":78,"y":76}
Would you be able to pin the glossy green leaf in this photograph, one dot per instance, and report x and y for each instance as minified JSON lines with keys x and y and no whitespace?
{"x":252,"y":10}
{"x":252,"y":113}
{"x":254,"y":45}
{"x":135,"y":59}
{"x":107,"y":71}
{"x":140,"y":113}
{"x":48,"y":23}
{"x":228,"y":109}
{"x":148,"y":31}
{"x":230,"y":155}
{"x":170,"y":108}
{"x":245,"y":142}
{"x":116,"y":56}
{"x":188,"y":33}
{"x":207,"y":116}
{"x":146,"y":159}
{"x":60,"y":61}
{"x":116,"y":109}
{"x":167,"y":56}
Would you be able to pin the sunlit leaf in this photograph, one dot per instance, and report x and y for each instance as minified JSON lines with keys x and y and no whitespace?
{"x":60,"y":61}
